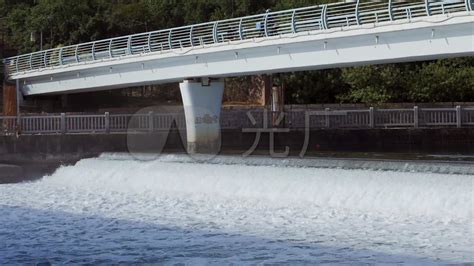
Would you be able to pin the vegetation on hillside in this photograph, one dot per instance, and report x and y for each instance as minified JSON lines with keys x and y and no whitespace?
{"x":65,"y":22}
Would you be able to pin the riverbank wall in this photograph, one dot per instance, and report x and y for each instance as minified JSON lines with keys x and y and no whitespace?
{"x":30,"y":157}
{"x":433,"y":141}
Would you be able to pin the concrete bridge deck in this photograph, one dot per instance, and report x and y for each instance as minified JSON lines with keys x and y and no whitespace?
{"x":325,"y":36}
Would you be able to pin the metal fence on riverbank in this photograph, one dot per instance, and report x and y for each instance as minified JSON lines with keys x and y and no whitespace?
{"x":240,"y":119}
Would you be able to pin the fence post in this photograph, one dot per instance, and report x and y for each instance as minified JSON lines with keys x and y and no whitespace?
{"x":328,"y":120}
{"x":107,"y":122}
{"x":151,"y":124}
{"x":458,"y":116}
{"x":416,"y":116}
{"x":18,"y":124}
{"x":372,"y":117}
{"x":63,"y":123}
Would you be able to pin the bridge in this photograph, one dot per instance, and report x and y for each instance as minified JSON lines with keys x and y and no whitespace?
{"x":199,"y":56}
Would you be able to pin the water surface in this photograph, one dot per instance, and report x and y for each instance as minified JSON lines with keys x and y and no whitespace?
{"x":116,"y":209}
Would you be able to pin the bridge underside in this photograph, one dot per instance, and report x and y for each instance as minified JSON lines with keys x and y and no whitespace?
{"x":427,"y":39}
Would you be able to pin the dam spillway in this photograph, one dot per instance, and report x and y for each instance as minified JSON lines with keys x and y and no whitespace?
{"x":117,"y":209}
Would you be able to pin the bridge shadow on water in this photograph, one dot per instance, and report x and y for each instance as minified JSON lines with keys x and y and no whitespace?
{"x":51,"y":237}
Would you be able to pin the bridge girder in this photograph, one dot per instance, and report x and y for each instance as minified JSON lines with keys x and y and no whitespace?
{"x":430,"y":38}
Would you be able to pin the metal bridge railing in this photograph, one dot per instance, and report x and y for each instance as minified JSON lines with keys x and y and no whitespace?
{"x":270,"y":24}
{"x":239,"y":119}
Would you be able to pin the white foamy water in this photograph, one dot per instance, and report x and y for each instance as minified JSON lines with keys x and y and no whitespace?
{"x":116,"y":209}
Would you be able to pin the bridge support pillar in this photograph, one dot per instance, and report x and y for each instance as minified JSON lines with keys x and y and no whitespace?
{"x":202,"y":100}
{"x":10,"y":99}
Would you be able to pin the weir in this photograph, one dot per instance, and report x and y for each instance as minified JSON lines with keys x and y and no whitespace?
{"x":131,"y":209}
{"x":404,"y":194}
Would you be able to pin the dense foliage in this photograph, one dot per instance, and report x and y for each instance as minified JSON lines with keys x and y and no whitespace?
{"x":64,"y":22}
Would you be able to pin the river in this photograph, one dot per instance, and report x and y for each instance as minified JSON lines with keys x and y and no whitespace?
{"x":117,"y":209}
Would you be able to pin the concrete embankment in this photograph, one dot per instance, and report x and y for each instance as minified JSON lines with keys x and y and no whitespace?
{"x":42,"y":154}
{"x":435,"y":141}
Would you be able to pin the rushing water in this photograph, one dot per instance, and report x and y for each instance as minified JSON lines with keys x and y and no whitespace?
{"x":116,"y":209}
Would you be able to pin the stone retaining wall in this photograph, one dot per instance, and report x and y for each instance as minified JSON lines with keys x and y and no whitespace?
{"x":435,"y":141}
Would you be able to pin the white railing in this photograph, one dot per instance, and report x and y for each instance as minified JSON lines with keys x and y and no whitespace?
{"x":239,"y":119}
{"x":395,"y":118}
{"x":440,"y":117}
{"x":270,"y":24}
{"x":84,"y":123}
{"x":41,"y":124}
{"x":467,"y":116}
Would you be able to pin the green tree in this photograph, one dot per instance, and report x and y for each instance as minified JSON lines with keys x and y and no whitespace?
{"x":448,"y":80}
{"x":312,"y":86}
{"x":375,"y":84}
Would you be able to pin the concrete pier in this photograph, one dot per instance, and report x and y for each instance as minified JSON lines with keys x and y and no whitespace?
{"x":202,"y":100}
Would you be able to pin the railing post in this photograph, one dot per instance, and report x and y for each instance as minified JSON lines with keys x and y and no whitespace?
{"x":129,"y":45}
{"x":328,"y":120}
{"x":324,"y":17}
{"x":16,"y":64}
{"x":107,"y":122}
{"x":191,"y":36}
{"x":61,"y":56}
{"x":45,"y":59}
{"x":458,"y":116}
{"x":93,"y":51}
{"x":293,"y":22}
{"x":18,"y":124}
{"x":468,"y":5}
{"x":76,"y":53}
{"x":416,"y":117}
{"x":170,"y":41}
{"x":357,"y":12}
{"x":31,"y":61}
{"x":372,"y":117}
{"x":63,"y":123}
{"x":427,"y":7}
{"x":214,"y":32}
{"x":151,"y":124}
{"x":408,"y":11}
{"x":390,"y":10}
{"x":110,"y":49}
{"x":265,"y":25}
{"x":149,"y":42}
{"x":241,"y":30}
